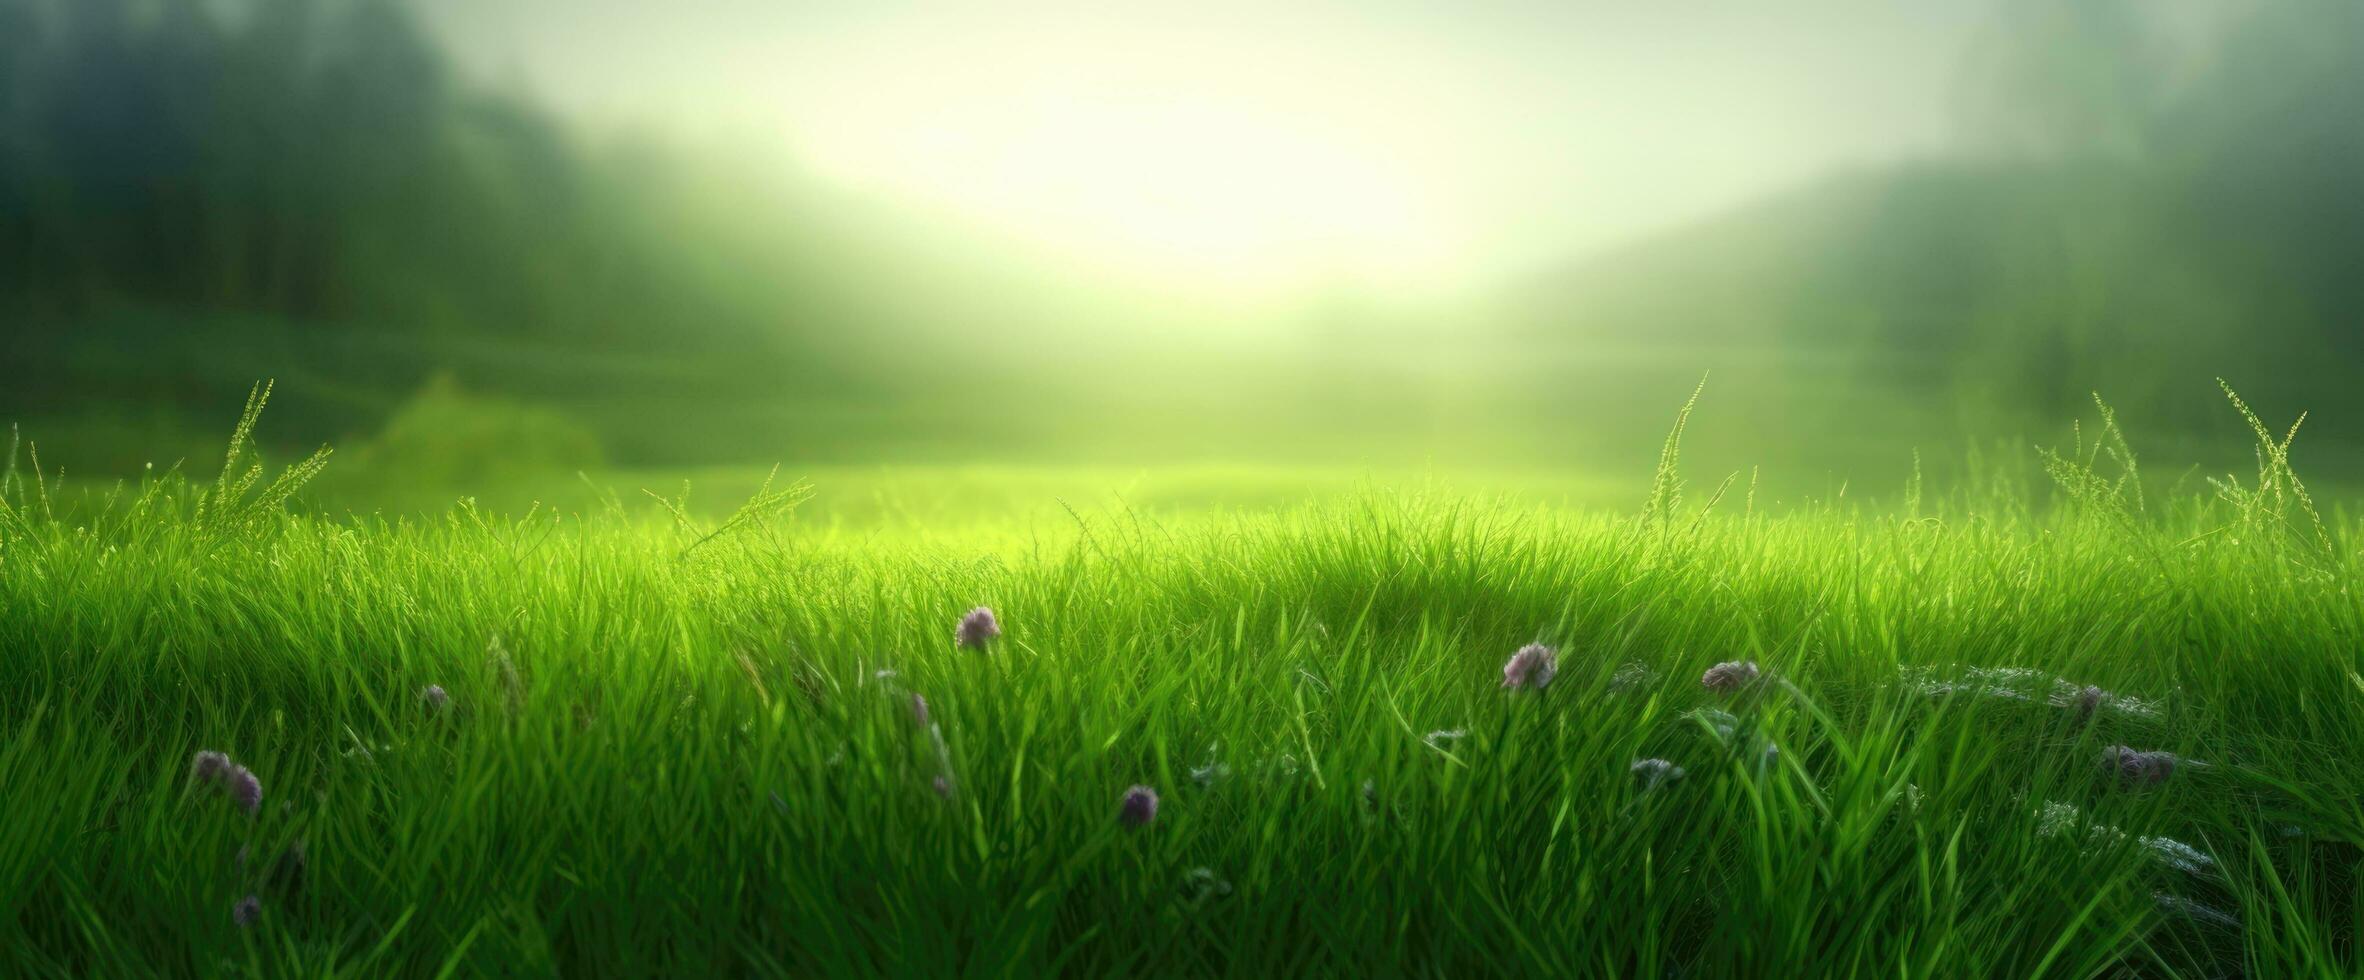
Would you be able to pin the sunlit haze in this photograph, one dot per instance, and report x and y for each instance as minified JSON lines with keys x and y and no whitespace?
{"x":1242,"y":488}
{"x":1262,"y":148}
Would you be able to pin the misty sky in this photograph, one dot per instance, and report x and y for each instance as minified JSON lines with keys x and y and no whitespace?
{"x":1264,"y":146}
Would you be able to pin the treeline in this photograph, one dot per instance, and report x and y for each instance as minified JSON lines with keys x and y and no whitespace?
{"x":197,"y":193}
{"x":315,"y":161}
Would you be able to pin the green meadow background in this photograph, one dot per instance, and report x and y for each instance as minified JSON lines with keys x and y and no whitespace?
{"x":467,"y":294}
{"x":616,"y":636}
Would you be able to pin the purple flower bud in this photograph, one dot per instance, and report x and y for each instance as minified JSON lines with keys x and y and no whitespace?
{"x":1532,"y":667}
{"x":1729,"y":676}
{"x":919,"y":709}
{"x":976,"y":628}
{"x":246,"y":911}
{"x":2138,"y":768}
{"x":208,"y":767}
{"x":434,"y":698}
{"x":2089,"y":701}
{"x":245,"y":789}
{"x":1139,"y":807}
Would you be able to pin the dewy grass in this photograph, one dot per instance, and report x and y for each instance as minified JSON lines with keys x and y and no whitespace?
{"x":641,"y":758}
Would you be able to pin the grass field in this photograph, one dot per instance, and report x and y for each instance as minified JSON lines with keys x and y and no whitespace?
{"x":695,"y":746}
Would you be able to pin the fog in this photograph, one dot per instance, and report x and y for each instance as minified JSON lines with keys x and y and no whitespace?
{"x":1264,"y":147}
{"x":493,"y":242}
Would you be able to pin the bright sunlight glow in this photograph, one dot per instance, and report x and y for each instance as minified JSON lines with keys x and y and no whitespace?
{"x":1144,"y":159}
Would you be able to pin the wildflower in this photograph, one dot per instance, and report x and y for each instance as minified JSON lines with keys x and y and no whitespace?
{"x":209,"y":767}
{"x":218,"y":769}
{"x":247,"y":911}
{"x":919,"y":708}
{"x":1139,"y":807}
{"x":2088,"y":702}
{"x":1654,"y":772}
{"x":434,"y":698}
{"x":943,"y":786}
{"x":976,"y":629}
{"x":1531,"y":667}
{"x":1729,"y":676}
{"x":245,"y":789}
{"x":2138,"y":768}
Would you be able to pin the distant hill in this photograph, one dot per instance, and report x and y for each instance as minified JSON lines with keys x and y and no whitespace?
{"x":2222,"y":242}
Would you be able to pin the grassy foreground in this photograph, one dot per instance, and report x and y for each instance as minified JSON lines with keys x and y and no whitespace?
{"x":693,"y":749}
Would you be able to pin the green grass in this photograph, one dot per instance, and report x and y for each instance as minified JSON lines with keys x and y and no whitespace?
{"x":671,"y":757}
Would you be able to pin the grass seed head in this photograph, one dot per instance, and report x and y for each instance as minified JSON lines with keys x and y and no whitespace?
{"x":1632,"y":677}
{"x":1730,"y":676}
{"x":2178,"y":855}
{"x":1718,"y":722}
{"x":434,"y":697}
{"x":1202,"y":884}
{"x":1532,"y":667}
{"x":977,"y":628}
{"x":1654,"y":772}
{"x":1139,"y":807}
{"x":2196,"y":911}
{"x":919,"y":708}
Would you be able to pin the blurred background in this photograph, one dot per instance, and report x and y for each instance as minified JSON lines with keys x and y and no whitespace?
{"x":1228,"y":248}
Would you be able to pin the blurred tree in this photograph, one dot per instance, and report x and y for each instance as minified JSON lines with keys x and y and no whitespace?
{"x":299,"y":158}
{"x":2064,"y":77}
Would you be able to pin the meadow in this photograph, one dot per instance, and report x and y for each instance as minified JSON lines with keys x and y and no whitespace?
{"x":2090,"y":729}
